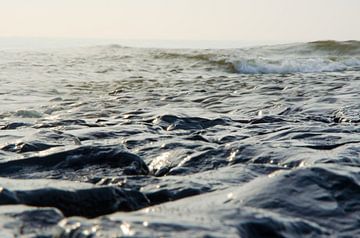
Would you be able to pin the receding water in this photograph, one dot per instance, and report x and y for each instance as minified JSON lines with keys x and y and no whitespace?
{"x":112,"y":141}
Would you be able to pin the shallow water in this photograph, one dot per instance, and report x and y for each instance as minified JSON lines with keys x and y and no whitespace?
{"x":117,"y":141}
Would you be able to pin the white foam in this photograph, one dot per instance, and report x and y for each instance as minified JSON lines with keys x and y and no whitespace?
{"x":294,"y":65}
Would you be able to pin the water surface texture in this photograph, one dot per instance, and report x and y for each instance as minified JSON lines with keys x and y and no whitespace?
{"x":113,"y":141}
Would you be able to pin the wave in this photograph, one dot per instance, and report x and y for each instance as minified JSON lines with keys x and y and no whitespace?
{"x":312,"y":57}
{"x":338,"y":47}
{"x":213,"y":59}
{"x":295,"y":65}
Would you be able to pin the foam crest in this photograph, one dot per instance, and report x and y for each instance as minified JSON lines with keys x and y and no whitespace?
{"x":295,"y":65}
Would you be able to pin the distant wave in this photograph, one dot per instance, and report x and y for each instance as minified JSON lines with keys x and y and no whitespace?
{"x":338,"y":47}
{"x":296,"y":65}
{"x":213,"y":59}
{"x":312,"y":57}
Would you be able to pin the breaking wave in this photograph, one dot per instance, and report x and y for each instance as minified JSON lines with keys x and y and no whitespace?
{"x":312,"y":57}
{"x":295,"y":65}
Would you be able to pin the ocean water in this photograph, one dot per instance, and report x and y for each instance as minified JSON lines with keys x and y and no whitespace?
{"x":111,"y":141}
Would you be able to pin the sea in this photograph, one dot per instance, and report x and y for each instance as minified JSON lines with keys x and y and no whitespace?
{"x":117,"y":141}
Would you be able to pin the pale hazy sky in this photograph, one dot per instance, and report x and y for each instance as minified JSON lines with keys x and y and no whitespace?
{"x":226,"y":20}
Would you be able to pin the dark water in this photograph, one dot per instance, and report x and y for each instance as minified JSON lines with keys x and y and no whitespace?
{"x":112,"y":141}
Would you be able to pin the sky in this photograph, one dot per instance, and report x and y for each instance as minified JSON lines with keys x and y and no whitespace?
{"x":196,"y":20}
